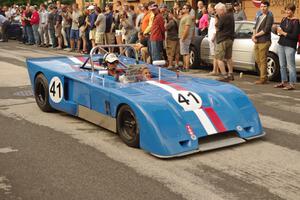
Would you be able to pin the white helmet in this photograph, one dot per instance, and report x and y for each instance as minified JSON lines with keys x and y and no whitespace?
{"x":110,"y":57}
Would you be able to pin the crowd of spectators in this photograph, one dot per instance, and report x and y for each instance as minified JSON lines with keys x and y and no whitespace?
{"x":156,"y":32}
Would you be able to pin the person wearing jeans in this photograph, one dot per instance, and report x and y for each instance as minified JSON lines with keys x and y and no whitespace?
{"x":43,"y":27}
{"x":288,"y":32}
{"x":157,"y":35}
{"x":28,"y":27}
{"x":51,"y":25}
{"x":35,"y":21}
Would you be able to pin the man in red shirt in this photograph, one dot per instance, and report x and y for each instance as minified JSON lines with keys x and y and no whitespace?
{"x":157,"y":35}
{"x":35,"y":21}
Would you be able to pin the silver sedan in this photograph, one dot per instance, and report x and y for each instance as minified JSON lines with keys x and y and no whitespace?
{"x":243,"y":51}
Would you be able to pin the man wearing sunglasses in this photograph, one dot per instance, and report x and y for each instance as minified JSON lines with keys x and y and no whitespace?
{"x":186,"y":33}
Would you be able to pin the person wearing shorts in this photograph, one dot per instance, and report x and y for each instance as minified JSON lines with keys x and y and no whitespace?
{"x":74,"y":34}
{"x":110,"y":27}
{"x":58,"y":28}
{"x":186,"y":33}
{"x":224,"y":50}
{"x":224,"y":38}
{"x":91,"y":19}
{"x":100,"y":27}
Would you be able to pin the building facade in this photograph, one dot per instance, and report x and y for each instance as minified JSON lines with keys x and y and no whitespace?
{"x":250,"y":6}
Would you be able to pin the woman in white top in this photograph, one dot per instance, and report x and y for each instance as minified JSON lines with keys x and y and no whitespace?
{"x":211,"y":37}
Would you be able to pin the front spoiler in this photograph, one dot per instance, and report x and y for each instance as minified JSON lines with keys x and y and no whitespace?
{"x":214,"y":145}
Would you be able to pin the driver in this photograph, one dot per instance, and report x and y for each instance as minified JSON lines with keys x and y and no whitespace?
{"x":112,"y":62}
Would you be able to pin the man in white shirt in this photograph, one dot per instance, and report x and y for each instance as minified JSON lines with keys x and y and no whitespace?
{"x":75,"y":27}
{"x":44,"y":25}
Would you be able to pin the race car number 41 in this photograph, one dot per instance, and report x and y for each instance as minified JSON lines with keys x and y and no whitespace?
{"x":56,"y":90}
{"x":188,"y":100}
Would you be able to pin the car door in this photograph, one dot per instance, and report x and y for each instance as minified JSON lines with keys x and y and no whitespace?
{"x":243,"y":47}
{"x":205,"y":52}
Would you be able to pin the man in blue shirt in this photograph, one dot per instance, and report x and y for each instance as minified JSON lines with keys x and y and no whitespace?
{"x":109,"y":31}
{"x":4,"y":24}
{"x":91,"y":24}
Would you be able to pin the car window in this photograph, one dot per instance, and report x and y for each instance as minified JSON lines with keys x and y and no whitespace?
{"x":245,"y":31}
{"x":237,"y":26}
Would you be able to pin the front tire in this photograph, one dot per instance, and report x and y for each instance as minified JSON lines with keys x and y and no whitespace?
{"x":127,"y":127}
{"x":41,"y":93}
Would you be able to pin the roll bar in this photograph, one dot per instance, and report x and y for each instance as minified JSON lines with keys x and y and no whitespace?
{"x":102,"y":48}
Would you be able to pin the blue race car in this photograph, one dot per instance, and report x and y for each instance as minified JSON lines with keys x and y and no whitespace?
{"x":167,"y":115}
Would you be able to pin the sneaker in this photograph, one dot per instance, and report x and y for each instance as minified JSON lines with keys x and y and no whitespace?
{"x":170,"y":67}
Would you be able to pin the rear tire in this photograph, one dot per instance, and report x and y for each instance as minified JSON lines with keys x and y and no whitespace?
{"x":127,"y":127}
{"x":273,"y":67}
{"x":41,"y":93}
{"x":194,"y":57}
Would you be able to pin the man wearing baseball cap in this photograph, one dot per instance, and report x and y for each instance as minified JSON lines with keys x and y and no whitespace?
{"x":91,"y":24}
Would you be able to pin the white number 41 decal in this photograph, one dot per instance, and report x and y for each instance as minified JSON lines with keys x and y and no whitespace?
{"x":56,"y":89}
{"x":188,"y":100}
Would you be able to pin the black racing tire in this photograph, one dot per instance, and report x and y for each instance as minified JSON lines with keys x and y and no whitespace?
{"x":273,"y":67}
{"x":194,"y":58}
{"x":41,"y":93}
{"x":127,"y":127}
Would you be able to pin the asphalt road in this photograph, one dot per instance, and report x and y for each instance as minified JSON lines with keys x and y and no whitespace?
{"x":56,"y":156}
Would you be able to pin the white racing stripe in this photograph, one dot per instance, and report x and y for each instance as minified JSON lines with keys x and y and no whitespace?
{"x":75,"y":60}
{"x":205,"y":121}
{"x":163,"y":86}
{"x":201,"y":115}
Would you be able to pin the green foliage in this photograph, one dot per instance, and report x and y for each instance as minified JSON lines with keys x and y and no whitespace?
{"x":32,"y":2}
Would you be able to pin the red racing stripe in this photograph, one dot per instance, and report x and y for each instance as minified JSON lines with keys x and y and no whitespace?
{"x":215,"y":119}
{"x":173,"y":85}
{"x":213,"y":116}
